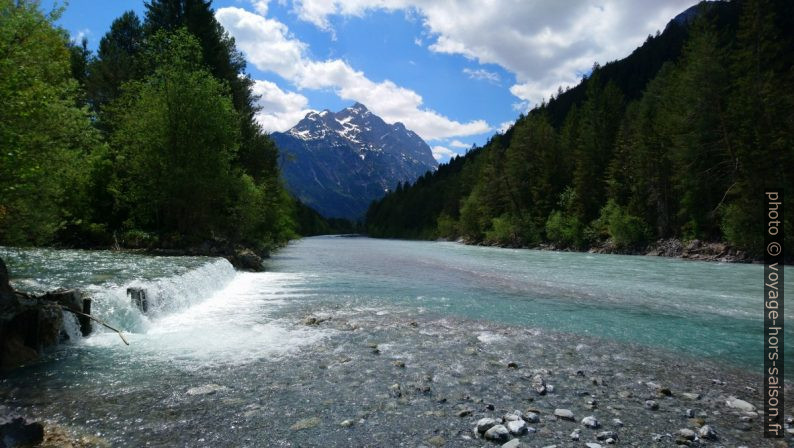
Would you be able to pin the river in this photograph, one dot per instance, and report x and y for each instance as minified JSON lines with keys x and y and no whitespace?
{"x":407,"y":343}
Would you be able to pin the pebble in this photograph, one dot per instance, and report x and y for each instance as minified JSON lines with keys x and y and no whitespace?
{"x":591,"y":422}
{"x":517,"y":427}
{"x":689,"y":413}
{"x":515,"y":443}
{"x":686,"y":433}
{"x":400,"y":364}
{"x":464,"y":413}
{"x":512,"y":417}
{"x":739,"y":404}
{"x":346,"y":423}
{"x":532,"y":417}
{"x":707,"y":432}
{"x":207,"y":389}
{"x":484,"y":424}
{"x":539,"y":385}
{"x":498,"y":433}
{"x":436,"y":441}
{"x":593,"y":445}
{"x":691,"y":396}
{"x":564,"y":414}
{"x":575,"y":434}
{"x":617,"y":422}
{"x":604,"y":435}
{"x":651,"y":405}
{"x":306,"y":423}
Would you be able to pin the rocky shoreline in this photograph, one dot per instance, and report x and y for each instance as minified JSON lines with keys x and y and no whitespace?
{"x":672,"y":247}
{"x":517,"y":387}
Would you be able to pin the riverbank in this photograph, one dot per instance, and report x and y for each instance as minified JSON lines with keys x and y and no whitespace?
{"x":671,"y":248}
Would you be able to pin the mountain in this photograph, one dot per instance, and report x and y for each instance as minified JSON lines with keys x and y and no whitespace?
{"x":338,"y":163}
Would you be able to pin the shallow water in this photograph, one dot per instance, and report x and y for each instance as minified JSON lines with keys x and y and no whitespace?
{"x":224,"y":358}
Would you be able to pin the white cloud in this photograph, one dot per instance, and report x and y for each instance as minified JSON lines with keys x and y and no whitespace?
{"x":269,"y":46}
{"x":440,"y":153}
{"x":280,"y":109}
{"x":482,"y":75}
{"x":505,"y":126}
{"x":545,"y":43}
{"x":260,"y":6}
{"x":459,"y":144}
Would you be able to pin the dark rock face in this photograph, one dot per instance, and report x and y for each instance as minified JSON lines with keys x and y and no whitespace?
{"x":29,"y":324}
{"x":19,"y":433}
{"x":337,"y":163}
{"x":6,"y":293}
{"x":76,"y":301}
{"x":26,"y":328}
{"x":247,"y":260}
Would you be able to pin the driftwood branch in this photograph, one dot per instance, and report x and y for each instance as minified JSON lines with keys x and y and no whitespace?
{"x":96,"y":320}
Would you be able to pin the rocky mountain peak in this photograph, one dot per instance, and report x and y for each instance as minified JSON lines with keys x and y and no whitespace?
{"x":349,"y":158}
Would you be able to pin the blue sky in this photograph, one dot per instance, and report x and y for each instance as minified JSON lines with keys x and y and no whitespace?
{"x":454,"y":71}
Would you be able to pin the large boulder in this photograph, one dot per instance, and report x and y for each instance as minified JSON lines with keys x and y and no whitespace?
{"x":245,"y":259}
{"x":30,"y":324}
{"x":27,"y":328}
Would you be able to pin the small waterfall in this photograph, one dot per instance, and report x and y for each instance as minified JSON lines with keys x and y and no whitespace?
{"x":71,"y":327}
{"x":164,"y":296}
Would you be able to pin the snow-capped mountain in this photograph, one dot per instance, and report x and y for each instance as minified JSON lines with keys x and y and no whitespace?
{"x":338,"y":163}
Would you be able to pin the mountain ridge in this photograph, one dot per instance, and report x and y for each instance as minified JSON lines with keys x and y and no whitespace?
{"x":339,"y":162}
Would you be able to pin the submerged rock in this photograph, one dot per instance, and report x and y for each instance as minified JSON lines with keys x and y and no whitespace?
{"x":306,"y":423}
{"x":436,"y":441}
{"x":207,"y":389}
{"x":19,"y":432}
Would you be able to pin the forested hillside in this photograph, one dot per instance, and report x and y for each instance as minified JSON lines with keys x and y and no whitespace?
{"x":151,"y":141}
{"x":676,"y":140}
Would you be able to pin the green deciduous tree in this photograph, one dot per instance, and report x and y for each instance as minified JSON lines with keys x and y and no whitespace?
{"x":45,"y":138}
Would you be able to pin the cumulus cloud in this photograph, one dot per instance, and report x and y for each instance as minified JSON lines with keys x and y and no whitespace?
{"x":545,"y":43}
{"x":268,"y":44}
{"x":459,"y":144}
{"x":280,"y":109}
{"x":482,"y":75}
{"x":441,"y":153}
